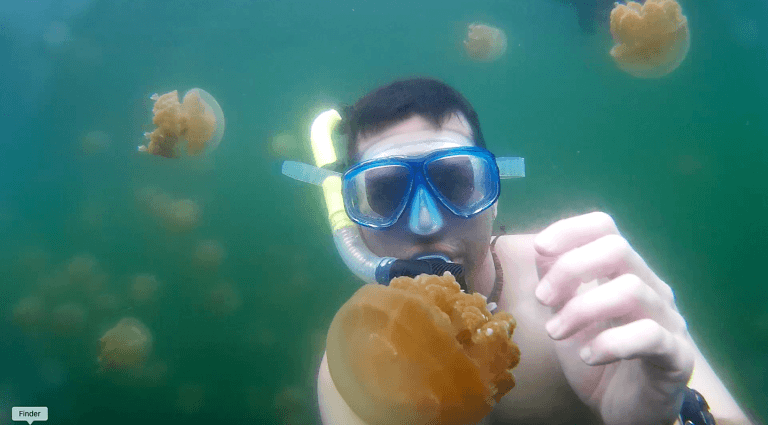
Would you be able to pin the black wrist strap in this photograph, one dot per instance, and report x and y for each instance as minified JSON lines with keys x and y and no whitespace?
{"x":695,"y":410}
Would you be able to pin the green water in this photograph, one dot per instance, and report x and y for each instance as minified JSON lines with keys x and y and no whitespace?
{"x":677,"y":161}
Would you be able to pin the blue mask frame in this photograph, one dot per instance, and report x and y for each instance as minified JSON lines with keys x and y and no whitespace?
{"x":420,"y":179}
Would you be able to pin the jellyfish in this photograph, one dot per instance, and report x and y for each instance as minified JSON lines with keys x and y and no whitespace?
{"x":82,"y":268}
{"x":190,"y":398}
{"x":182,"y":215}
{"x":485,"y":43}
{"x":144,"y":289}
{"x":285,"y":145}
{"x":223,"y":300}
{"x":29,"y":312}
{"x":420,"y":351}
{"x":652,"y":39}
{"x":209,"y":255}
{"x":125,"y":346}
{"x":196,"y":125}
{"x":95,"y":142}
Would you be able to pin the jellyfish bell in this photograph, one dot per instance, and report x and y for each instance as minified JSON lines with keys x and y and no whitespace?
{"x":95,"y":142}
{"x":144,"y":289}
{"x":652,"y":39}
{"x":190,"y":398}
{"x":208,"y":255}
{"x":192,"y":127}
{"x":182,"y":215}
{"x":126,"y":345}
{"x":485,"y":43}
{"x":29,"y":312}
{"x":223,"y":300}
{"x":420,"y":351}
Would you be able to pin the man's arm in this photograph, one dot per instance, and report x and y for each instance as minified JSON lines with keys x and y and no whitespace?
{"x":721,"y":404}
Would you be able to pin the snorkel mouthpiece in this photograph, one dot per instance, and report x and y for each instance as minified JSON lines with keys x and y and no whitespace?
{"x":434,"y":265}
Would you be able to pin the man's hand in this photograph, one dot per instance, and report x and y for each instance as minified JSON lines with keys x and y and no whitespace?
{"x":624,"y":347}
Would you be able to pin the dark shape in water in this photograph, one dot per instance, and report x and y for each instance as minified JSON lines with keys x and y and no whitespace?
{"x":591,"y":13}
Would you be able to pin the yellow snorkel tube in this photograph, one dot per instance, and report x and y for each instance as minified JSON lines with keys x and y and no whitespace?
{"x":325,"y":154}
{"x":356,"y":255}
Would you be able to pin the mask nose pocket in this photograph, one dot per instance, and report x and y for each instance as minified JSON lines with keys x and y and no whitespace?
{"x":424,"y":218}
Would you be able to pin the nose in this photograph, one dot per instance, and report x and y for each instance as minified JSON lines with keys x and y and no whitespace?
{"x":424,"y":219}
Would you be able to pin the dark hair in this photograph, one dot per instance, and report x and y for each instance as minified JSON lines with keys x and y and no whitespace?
{"x":431,"y":99}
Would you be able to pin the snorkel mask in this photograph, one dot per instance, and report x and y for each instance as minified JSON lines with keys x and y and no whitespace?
{"x":414,"y":177}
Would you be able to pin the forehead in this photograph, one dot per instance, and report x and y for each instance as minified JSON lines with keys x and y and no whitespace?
{"x":407,"y":134}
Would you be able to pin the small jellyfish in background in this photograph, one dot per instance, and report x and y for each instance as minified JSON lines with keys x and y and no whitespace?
{"x":652,"y":39}
{"x":144,"y":289}
{"x":125,"y":346}
{"x":182,"y":215}
{"x":29,"y":313}
{"x":485,"y":43}
{"x":195,"y":125}
{"x":223,"y":299}
{"x":209,"y":255}
{"x":82,"y":267}
{"x":190,"y":398}
{"x":95,"y":142}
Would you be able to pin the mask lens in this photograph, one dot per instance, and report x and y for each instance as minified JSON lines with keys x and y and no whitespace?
{"x":465,"y":182}
{"x":379,"y":193}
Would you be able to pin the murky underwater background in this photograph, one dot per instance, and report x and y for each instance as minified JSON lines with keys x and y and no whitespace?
{"x":239,"y":298}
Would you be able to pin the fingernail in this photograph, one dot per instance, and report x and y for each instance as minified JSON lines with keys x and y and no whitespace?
{"x":554,"y":327}
{"x":544,"y":291}
{"x":586,"y":354}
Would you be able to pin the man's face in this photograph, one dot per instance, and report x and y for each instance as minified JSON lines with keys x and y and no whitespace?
{"x":463,"y":240}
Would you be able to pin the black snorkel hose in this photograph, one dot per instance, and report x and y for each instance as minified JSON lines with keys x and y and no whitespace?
{"x":434,"y":265}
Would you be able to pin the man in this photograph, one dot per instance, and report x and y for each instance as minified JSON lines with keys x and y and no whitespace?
{"x":614,"y":350}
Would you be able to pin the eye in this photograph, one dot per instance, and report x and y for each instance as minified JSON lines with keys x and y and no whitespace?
{"x":454,"y":178}
{"x":386,"y":188}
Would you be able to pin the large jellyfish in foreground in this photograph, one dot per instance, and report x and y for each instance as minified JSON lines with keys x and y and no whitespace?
{"x":485,"y":43}
{"x":652,"y":39}
{"x":420,"y":351}
{"x":196,"y":124}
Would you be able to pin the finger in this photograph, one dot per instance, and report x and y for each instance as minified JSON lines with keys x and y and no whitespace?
{"x":607,"y":257}
{"x":643,"y":339}
{"x":624,"y":299}
{"x":567,"y":234}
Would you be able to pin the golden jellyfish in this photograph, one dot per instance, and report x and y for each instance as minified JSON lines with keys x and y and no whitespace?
{"x":485,"y":43}
{"x":652,"y":39}
{"x":82,"y":268}
{"x":29,"y":312}
{"x":95,"y":142}
{"x":420,"y":351}
{"x":195,"y":125}
{"x":144,"y":289}
{"x":223,"y":299}
{"x":209,"y":255}
{"x":182,"y":215}
{"x":190,"y":398}
{"x":125,"y":346}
